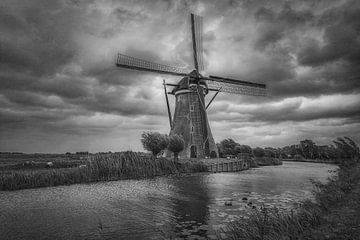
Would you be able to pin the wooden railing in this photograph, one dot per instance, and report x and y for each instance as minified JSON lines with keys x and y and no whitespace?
{"x":233,"y":166}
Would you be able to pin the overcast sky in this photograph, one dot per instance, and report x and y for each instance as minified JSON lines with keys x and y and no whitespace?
{"x":60,"y":90}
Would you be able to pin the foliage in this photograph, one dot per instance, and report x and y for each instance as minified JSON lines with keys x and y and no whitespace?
{"x":227,"y":147}
{"x":243,"y":149}
{"x":345,"y":148}
{"x":176,"y":144}
{"x":309,"y":149}
{"x":347,"y":151}
{"x":230,"y":147}
{"x":270,"y":152}
{"x":154,"y":142}
{"x":259,"y":152}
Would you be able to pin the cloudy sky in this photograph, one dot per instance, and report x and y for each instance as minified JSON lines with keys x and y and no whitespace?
{"x":60,"y":90}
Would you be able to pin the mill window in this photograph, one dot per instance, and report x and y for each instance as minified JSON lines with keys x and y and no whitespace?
{"x":191,"y":108}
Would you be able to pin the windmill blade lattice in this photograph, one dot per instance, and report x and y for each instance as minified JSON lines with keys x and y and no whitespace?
{"x":197,"y":33}
{"x":235,"y":86}
{"x":236,"y":89}
{"x":143,"y":65}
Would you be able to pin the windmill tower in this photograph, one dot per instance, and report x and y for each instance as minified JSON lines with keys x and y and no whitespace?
{"x":190,"y":117}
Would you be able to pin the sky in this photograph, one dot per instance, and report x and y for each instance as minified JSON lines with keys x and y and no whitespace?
{"x":60,"y":90}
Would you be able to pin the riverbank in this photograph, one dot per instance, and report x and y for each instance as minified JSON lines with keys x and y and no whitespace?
{"x":98,"y":167}
{"x":309,"y":160}
{"x":266,"y":161}
{"x":334,"y":214}
{"x":107,"y":167}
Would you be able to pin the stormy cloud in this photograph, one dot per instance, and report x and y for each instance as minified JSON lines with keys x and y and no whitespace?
{"x":60,"y":90}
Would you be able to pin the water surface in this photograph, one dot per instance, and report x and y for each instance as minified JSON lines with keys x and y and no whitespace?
{"x":191,"y":206}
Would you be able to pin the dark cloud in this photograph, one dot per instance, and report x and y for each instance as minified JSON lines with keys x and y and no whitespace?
{"x":58,"y":74}
{"x":320,"y":47}
{"x":38,"y":39}
{"x":278,"y":25}
{"x":341,"y":43}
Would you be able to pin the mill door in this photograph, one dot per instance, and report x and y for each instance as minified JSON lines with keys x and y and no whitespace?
{"x":193,"y":153}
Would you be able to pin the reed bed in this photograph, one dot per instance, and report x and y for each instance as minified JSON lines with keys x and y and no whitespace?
{"x":99,"y":167}
{"x":271,"y":224}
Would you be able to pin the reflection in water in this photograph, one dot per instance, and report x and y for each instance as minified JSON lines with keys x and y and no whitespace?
{"x":152,"y":209}
{"x":192,"y":211}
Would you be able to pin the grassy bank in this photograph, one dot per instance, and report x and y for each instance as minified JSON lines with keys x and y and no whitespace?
{"x":99,"y":167}
{"x":310,"y":160}
{"x":266,"y":161}
{"x":334,"y":214}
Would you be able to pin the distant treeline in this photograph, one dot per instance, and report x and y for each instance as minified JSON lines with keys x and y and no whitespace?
{"x":11,"y":153}
{"x":342,"y":148}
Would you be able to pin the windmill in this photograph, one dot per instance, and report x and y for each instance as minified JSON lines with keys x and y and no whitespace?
{"x":190,"y":116}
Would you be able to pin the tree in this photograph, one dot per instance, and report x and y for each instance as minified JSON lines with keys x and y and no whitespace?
{"x":309,"y":149}
{"x":176,"y":144}
{"x":154,"y":142}
{"x":244,"y":150}
{"x":259,"y":152}
{"x":227,"y":147}
{"x":269,"y":152}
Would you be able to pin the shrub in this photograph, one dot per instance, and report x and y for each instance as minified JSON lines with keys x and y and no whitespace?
{"x":154,"y":142}
{"x":176,"y":144}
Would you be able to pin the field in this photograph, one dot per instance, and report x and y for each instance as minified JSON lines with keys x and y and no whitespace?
{"x":19,"y":161}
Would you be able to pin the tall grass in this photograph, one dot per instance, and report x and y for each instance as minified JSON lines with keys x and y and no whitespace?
{"x":19,"y":179}
{"x":131,"y":165}
{"x":271,"y":224}
{"x":99,"y":167}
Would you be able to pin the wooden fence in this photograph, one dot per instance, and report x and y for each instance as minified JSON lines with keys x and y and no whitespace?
{"x":233,"y":166}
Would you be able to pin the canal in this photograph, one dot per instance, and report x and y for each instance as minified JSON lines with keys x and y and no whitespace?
{"x":187,"y":206}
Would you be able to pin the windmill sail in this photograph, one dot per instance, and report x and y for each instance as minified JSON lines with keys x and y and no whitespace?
{"x":143,"y":65}
{"x":197,"y":41}
{"x":234,"y":86}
